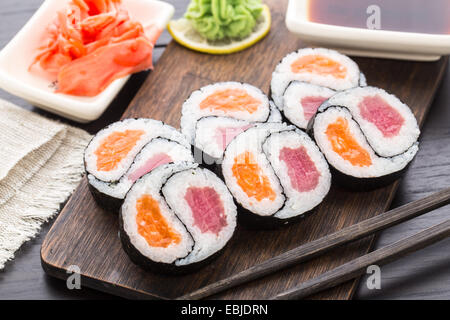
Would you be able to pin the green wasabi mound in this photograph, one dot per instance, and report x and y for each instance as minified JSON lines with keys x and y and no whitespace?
{"x":224,"y":19}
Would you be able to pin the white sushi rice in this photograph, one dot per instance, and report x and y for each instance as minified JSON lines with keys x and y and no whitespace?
{"x":152,"y":129}
{"x":206,"y":243}
{"x":297,"y":202}
{"x":383,"y":146}
{"x":151,"y":185}
{"x":292,"y":100}
{"x":362,"y":80}
{"x":380,"y":166}
{"x":283,"y":73}
{"x":251,"y":141}
{"x":208,"y":135}
{"x":275,"y":114}
{"x":176,"y":151}
{"x":191,"y":110}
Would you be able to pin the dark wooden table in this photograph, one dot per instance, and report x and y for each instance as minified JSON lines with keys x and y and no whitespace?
{"x":423,"y":275}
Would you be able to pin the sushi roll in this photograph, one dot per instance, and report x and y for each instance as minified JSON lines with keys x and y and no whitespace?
{"x":301,"y":101}
{"x":276,"y":174}
{"x":319,"y":66}
{"x":224,"y":99}
{"x":275,"y":114}
{"x":176,"y":218}
{"x":367,"y":135}
{"x":126,"y":150}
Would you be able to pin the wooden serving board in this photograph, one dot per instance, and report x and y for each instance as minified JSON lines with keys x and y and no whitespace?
{"x":87,"y":236}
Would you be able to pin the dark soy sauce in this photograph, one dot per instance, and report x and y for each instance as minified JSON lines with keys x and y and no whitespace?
{"x":421,"y":16}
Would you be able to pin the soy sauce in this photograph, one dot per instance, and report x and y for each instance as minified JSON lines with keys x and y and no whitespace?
{"x":421,"y":16}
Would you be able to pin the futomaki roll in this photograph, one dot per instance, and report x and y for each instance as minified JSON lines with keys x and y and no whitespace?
{"x":176,"y":218}
{"x":301,"y":101}
{"x":225,"y":99}
{"x":126,"y":150}
{"x":367,"y":135}
{"x":319,"y":66}
{"x":276,"y":173}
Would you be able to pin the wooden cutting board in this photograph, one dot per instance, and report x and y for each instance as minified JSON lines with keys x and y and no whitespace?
{"x":86,"y":236}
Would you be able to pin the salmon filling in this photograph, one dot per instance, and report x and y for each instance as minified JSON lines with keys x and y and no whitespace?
{"x":320,"y":65}
{"x":207,"y":209}
{"x":301,"y":169}
{"x":344,"y":144}
{"x":115,"y":148}
{"x":251,"y":179}
{"x":231,"y":100}
{"x":152,"y":225}
{"x":376,"y":110}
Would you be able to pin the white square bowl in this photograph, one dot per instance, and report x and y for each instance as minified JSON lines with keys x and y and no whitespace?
{"x":365,"y":42}
{"x":20,"y":52}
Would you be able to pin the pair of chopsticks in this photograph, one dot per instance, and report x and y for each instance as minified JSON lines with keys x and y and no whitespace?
{"x":350,"y":269}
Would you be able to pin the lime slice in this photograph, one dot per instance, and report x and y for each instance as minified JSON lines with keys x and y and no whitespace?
{"x":183,"y":33}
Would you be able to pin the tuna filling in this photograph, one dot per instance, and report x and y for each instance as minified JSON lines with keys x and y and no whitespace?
{"x":301,"y":169}
{"x":207,"y":209}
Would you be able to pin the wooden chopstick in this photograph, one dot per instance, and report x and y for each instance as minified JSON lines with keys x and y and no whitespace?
{"x":359,"y":265}
{"x":324,"y":244}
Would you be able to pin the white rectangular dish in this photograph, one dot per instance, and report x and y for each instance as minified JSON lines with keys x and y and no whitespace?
{"x":18,"y":54}
{"x":365,"y":42}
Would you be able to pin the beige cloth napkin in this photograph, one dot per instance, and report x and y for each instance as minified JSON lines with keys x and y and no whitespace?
{"x":41,"y":163}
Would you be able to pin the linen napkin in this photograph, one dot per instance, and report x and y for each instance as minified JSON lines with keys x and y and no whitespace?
{"x":41,"y":163}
